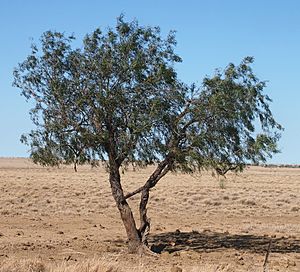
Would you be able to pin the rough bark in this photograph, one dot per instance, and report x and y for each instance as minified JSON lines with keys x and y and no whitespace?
{"x":134,"y":239}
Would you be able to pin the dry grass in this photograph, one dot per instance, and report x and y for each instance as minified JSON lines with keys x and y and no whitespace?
{"x":94,"y":265}
{"x":36,"y":265}
{"x":52,"y":215}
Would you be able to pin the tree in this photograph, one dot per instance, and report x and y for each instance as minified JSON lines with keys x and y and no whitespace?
{"x":118,"y":100}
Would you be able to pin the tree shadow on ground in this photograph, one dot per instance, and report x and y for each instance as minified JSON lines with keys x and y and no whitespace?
{"x":212,"y":241}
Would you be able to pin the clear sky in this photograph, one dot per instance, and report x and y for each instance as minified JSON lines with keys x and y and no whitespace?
{"x":210,"y":34}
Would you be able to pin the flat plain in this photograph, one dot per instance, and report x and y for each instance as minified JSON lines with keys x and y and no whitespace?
{"x":53,"y":219}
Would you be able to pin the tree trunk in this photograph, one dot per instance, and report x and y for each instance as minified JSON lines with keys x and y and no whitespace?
{"x":144,"y":220}
{"x":137,"y":238}
{"x":161,"y":170}
{"x":134,"y":239}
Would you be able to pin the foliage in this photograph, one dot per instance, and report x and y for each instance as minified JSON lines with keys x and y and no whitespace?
{"x":117,"y":83}
{"x":118,"y":99}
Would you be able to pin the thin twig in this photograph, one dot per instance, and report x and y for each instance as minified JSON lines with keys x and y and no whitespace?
{"x":265,"y":266}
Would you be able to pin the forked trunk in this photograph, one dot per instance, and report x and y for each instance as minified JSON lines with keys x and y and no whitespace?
{"x":137,"y":238}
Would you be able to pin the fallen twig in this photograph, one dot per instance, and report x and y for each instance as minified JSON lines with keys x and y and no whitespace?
{"x":265,"y":266}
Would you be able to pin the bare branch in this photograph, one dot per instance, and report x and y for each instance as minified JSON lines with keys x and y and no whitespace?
{"x":134,"y":192}
{"x":162,"y":169}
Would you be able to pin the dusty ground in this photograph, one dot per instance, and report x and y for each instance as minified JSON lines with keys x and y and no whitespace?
{"x":199,"y":223}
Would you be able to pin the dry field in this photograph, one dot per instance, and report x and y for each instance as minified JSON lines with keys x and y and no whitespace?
{"x":58,"y":220}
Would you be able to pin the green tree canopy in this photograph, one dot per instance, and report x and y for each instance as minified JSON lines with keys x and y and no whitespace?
{"x":118,"y":99}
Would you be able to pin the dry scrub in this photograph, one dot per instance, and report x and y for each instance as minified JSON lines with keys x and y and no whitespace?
{"x":65,"y":221}
{"x":36,"y":265}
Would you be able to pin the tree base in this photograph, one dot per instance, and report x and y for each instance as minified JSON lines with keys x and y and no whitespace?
{"x":141,"y":250}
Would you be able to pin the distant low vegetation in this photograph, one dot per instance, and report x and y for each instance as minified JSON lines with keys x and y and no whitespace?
{"x":281,"y":165}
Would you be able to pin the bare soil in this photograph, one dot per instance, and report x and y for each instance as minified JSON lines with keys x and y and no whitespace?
{"x":198,"y":223}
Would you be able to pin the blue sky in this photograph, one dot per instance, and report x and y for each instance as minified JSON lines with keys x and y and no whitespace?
{"x":210,"y":34}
